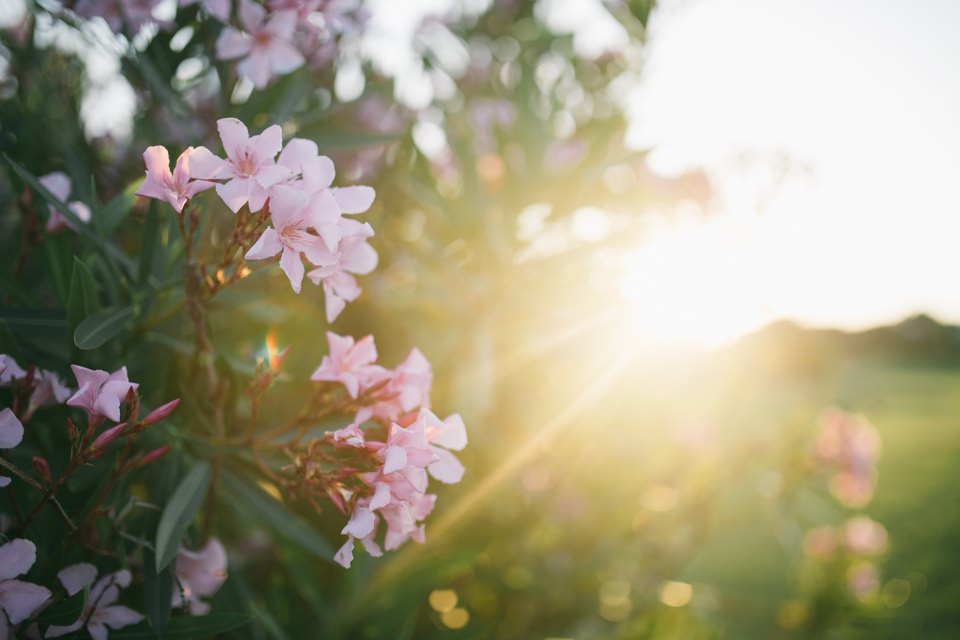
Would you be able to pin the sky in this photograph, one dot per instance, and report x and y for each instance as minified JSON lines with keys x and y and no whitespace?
{"x":860,"y":101}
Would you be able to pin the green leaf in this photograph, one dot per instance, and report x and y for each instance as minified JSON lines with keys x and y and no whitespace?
{"x":94,"y":331}
{"x":117,"y":210}
{"x":186,"y":627}
{"x":57,"y":255}
{"x":157,"y":587}
{"x":67,"y":611}
{"x":258,"y":503}
{"x":149,"y":240}
{"x":82,"y":301}
{"x":180,"y":509}
{"x":16,"y":290}
{"x":8,"y":342}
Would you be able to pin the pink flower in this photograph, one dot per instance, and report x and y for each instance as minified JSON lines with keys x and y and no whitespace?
{"x":9,"y":371}
{"x":444,"y":436}
{"x":101,"y":393}
{"x":173,"y":187}
{"x":11,"y":434}
{"x":865,"y":536}
{"x":199,"y":575}
{"x":354,"y":255}
{"x":134,"y":13}
{"x":58,"y":184}
{"x":863,"y":579}
{"x":249,"y":168}
{"x":48,"y":389}
{"x":18,"y":599}
{"x":265,"y":45}
{"x":292,"y":220}
{"x":350,"y":435}
{"x":408,"y":389}
{"x":849,"y":445}
{"x":100,"y":611}
{"x":350,"y":363}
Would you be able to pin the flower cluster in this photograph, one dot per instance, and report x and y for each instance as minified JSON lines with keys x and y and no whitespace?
{"x":849,"y":446}
{"x":401,"y":448}
{"x":198,"y":575}
{"x":277,"y":39}
{"x":40,"y":387}
{"x":295,"y":187}
{"x":58,"y":184}
{"x":853,"y":546}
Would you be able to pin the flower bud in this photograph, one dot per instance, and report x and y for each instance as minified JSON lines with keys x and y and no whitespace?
{"x":154,"y":455}
{"x":132,"y":401}
{"x":41,"y":468}
{"x":160,"y":413}
{"x":109,"y":436}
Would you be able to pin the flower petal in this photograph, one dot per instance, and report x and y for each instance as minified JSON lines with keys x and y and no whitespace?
{"x":266,"y":246}
{"x":204,"y":165}
{"x":354,"y":199}
{"x":234,"y":135}
{"x":21,"y":599}
{"x":74,"y":578}
{"x":16,"y":558}
{"x":11,"y":430}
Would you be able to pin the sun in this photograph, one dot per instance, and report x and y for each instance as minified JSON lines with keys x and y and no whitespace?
{"x":691,"y":283}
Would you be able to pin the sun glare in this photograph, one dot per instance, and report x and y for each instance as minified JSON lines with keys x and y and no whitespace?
{"x":689,"y":284}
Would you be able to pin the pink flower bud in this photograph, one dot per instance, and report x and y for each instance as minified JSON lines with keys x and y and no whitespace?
{"x":154,"y":455}
{"x":41,"y":467}
{"x":109,"y":436}
{"x":160,"y":413}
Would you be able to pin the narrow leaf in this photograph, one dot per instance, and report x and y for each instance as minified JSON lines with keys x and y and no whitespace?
{"x":186,"y":627}
{"x":117,"y":210}
{"x":65,"y":612}
{"x":180,"y":509}
{"x":94,"y":331}
{"x":82,"y":301}
{"x":157,"y":590}
{"x":253,"y":499}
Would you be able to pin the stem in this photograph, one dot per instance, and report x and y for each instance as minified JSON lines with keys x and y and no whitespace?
{"x":48,"y":494}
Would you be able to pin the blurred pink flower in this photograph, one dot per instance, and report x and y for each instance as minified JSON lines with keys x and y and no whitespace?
{"x":58,"y":184}
{"x":865,"y":536}
{"x":850,"y":446}
{"x":18,"y":599}
{"x":266,"y":45}
{"x":290,"y":234}
{"x":133,"y":14}
{"x":101,"y":393}
{"x":48,"y":389}
{"x":863,"y":579}
{"x":199,"y":575}
{"x":350,"y":363}
{"x":820,"y":543}
{"x":249,"y":168}
{"x":9,"y":370}
{"x":11,"y":434}
{"x":100,"y":611}
{"x":174,"y":187}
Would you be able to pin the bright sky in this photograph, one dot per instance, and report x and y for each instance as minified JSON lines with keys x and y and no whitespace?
{"x":866,"y":95}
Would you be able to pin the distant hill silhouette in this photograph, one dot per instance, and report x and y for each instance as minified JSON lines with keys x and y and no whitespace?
{"x":783,"y":344}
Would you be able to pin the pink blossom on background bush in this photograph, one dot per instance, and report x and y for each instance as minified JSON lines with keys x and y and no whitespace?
{"x":101,"y":393}
{"x":18,"y":599}
{"x":265,"y":44}
{"x":249,"y":169}
{"x":9,"y":370}
{"x":176,"y":187}
{"x":132,"y":14}
{"x":849,"y":446}
{"x":58,"y":184}
{"x":101,"y":610}
{"x":200,"y":574}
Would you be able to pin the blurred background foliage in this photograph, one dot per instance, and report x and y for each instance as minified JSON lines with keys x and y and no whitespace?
{"x":612,"y":491}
